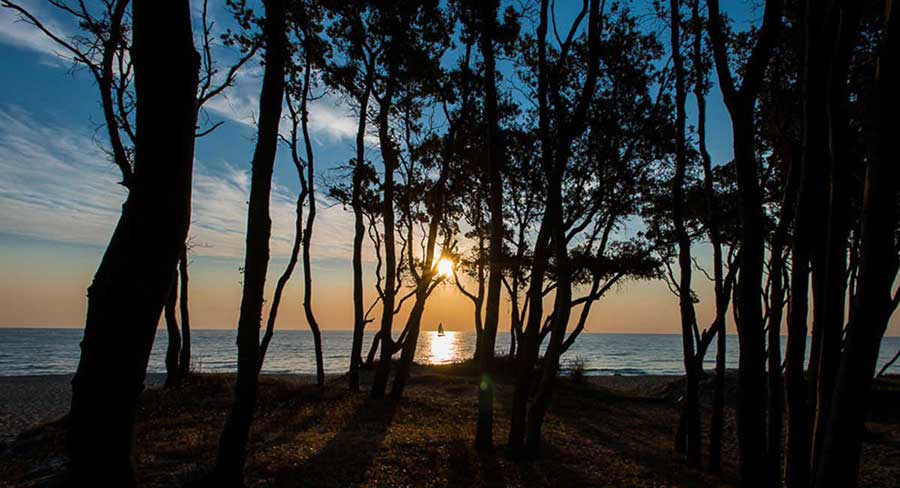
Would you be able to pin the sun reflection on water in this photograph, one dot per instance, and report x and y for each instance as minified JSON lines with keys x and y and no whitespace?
{"x":443,"y":349}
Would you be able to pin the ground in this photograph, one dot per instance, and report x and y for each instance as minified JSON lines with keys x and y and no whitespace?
{"x":329,"y":437}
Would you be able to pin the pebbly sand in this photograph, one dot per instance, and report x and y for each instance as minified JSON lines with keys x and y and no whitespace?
{"x":28,"y":401}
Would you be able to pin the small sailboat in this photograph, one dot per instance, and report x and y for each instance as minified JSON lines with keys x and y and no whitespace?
{"x":440,"y":330}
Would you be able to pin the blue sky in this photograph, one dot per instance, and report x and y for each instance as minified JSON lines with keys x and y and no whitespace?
{"x":59,"y":199}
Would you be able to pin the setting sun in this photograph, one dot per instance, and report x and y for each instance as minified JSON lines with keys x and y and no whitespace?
{"x":445,"y":268}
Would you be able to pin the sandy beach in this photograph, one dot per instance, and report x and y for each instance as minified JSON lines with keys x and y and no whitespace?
{"x":601,"y":431}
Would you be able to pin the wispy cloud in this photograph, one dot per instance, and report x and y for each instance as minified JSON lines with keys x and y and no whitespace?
{"x":329,"y":119}
{"x":14,"y":31}
{"x":56,"y":184}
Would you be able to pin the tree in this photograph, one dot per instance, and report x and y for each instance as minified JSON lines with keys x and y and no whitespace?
{"x":494,"y":162}
{"x":841,"y":448}
{"x":135,"y":275}
{"x":306,"y":16}
{"x":355,"y":77}
{"x":233,"y":442}
{"x":740,"y":103}
{"x":410,"y":35}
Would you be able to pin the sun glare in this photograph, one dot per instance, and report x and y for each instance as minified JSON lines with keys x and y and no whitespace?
{"x":445,"y":268}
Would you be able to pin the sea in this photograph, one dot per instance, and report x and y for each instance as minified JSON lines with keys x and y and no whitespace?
{"x":33,"y":351}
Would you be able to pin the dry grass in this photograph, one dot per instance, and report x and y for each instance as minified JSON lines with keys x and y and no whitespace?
{"x":307,"y":436}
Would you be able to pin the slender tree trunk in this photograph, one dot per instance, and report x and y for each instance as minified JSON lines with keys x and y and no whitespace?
{"x":130,"y":287}
{"x":841,"y":449}
{"x":359,"y":232}
{"x":184,"y":362}
{"x":775,"y":391}
{"x":173,"y":349}
{"x":307,"y":235}
{"x":718,"y":401}
{"x":233,"y":443}
{"x":282,"y":282}
{"x":685,"y":294}
{"x":484,"y":431}
{"x":389,"y":156}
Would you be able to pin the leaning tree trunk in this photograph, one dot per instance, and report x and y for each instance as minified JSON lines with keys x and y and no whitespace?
{"x":173,"y":349}
{"x":841,"y":449}
{"x":408,"y":351}
{"x":233,"y":443}
{"x":282,"y":282}
{"x":135,"y":275}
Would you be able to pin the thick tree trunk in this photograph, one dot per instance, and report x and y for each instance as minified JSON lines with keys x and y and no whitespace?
{"x":841,"y":160}
{"x":184,"y":361}
{"x":173,"y":349}
{"x":799,"y":394}
{"x":751,"y":403}
{"x":135,"y":275}
{"x":751,"y":406}
{"x":233,"y":443}
{"x":484,"y":431}
{"x":839,"y":463}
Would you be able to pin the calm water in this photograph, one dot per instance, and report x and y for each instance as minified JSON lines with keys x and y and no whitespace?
{"x":55,"y":351}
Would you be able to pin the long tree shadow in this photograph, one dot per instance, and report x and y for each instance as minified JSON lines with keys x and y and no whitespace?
{"x":346,"y":458}
{"x":467,"y":467}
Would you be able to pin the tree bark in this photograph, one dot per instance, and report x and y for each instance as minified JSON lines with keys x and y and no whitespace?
{"x":389,"y":157}
{"x":359,"y":232}
{"x":136,"y":272}
{"x":841,"y":32}
{"x":685,"y":294}
{"x":233,"y":442}
{"x":721,"y":295}
{"x":173,"y":349}
{"x":839,"y":463}
{"x":282,"y":282}
{"x":310,"y":191}
{"x":484,"y":429}
{"x":184,"y":361}
{"x":751,"y":406}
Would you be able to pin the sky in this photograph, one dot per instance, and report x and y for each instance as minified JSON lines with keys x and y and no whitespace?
{"x":59,"y":199}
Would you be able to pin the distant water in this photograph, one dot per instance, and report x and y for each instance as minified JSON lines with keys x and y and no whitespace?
{"x":55,"y":351}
